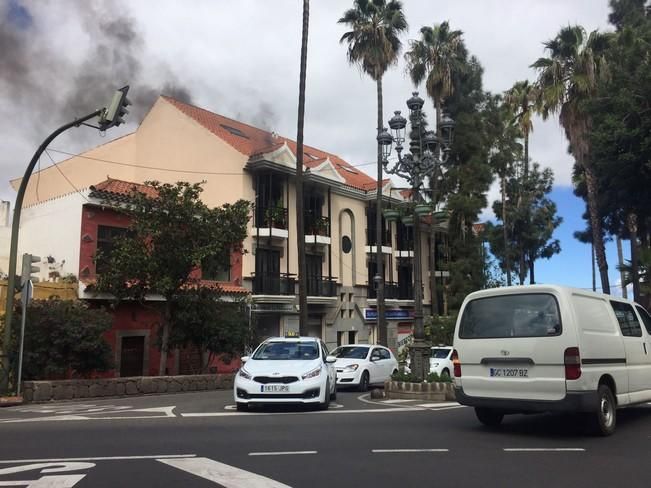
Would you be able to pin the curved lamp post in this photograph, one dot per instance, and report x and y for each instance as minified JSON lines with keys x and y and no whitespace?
{"x":427,"y":155}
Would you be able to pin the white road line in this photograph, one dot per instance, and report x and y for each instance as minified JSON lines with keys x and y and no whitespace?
{"x":382,"y":451}
{"x":223,"y":474}
{"x":439,"y":405}
{"x":103,"y":458}
{"x":281,"y":453}
{"x":544,"y":449}
{"x":251,"y":414}
{"x":397,"y":401}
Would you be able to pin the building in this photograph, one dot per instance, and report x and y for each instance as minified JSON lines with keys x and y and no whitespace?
{"x":177,"y":141}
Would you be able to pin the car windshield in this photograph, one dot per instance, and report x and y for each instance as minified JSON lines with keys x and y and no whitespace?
{"x":283,"y":351}
{"x":350,"y":352}
{"x":440,"y":353}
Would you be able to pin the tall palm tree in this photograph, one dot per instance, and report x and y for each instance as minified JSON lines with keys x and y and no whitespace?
{"x":374,"y":45}
{"x":300,"y":224}
{"x":436,"y":57}
{"x":523,"y":100}
{"x":568,"y":78}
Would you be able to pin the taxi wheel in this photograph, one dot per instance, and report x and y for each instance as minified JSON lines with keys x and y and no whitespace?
{"x":363,"y":383}
{"x":333,"y":395}
{"x":326,"y":403}
{"x":242,"y":407}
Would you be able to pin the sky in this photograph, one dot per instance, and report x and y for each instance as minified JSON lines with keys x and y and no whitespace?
{"x":240,"y":58}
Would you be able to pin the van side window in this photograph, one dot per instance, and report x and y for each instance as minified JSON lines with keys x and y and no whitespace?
{"x":646,"y":319}
{"x":627,"y":319}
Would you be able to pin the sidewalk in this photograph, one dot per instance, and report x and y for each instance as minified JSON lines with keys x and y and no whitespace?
{"x":10,"y":401}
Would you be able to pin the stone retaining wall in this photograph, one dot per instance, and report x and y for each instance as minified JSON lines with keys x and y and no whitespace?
{"x":44,"y":391}
{"x":435,"y":392}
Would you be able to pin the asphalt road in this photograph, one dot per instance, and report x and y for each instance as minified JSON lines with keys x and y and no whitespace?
{"x":197,"y":440}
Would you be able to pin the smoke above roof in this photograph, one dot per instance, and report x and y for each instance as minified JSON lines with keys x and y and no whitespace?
{"x":52,"y":75}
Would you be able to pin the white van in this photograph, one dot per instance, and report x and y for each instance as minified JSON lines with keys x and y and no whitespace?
{"x":542,"y":348}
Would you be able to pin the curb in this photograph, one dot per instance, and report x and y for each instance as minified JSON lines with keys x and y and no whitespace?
{"x":10,"y":401}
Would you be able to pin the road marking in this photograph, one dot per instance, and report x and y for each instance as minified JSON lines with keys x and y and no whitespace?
{"x":250,"y":414}
{"x":164,"y":411}
{"x":397,"y":401}
{"x":62,"y":481}
{"x":382,"y":451}
{"x":102,"y":458}
{"x":544,"y":449}
{"x":281,"y":453}
{"x":223,"y":474}
{"x":440,"y":405}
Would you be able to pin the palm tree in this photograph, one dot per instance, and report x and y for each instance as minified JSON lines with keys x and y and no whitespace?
{"x":523,"y":100}
{"x":436,"y":57}
{"x":374,"y":45}
{"x":568,"y":78}
{"x":300,"y":230}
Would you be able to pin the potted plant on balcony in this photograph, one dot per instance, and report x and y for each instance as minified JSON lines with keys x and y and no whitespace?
{"x":440,"y":216}
{"x":391,"y":214}
{"x":408,"y":220}
{"x":275,"y":216}
{"x":421,"y":209}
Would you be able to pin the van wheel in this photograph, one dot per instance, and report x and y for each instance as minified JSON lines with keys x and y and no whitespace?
{"x":605,"y":419}
{"x":488,"y":416}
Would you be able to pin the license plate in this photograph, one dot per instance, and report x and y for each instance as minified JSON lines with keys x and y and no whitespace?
{"x":274,"y":388}
{"x":509,"y":372}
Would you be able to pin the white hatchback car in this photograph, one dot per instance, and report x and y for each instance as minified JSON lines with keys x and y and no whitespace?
{"x":440,"y":361}
{"x":361,"y":365}
{"x":286,"y":370}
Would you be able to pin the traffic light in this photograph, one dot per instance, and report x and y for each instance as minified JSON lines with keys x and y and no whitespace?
{"x":113,"y":115}
{"x":28,"y":269}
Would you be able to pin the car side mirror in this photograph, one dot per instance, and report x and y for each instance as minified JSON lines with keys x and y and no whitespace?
{"x":330,"y":359}
{"x":375,"y":358}
{"x":244,"y":359}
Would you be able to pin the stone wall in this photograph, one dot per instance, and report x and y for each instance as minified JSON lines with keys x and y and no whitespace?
{"x":44,"y":391}
{"x":434,"y":392}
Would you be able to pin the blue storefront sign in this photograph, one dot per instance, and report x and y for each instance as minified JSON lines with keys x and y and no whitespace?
{"x":370,"y":314}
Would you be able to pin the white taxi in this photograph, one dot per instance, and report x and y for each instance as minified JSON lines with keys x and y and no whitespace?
{"x":287,"y":370}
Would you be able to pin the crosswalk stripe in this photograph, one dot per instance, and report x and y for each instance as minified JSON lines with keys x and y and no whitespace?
{"x":223,"y":474}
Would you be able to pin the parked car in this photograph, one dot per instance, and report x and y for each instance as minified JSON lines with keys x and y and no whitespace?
{"x":546,"y":348}
{"x":287,"y":370}
{"x":361,"y":365}
{"x":440,"y":361}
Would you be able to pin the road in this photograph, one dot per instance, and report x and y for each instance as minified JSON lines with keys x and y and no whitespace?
{"x":199,"y":440}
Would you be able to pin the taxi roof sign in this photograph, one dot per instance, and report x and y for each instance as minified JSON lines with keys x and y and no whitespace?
{"x":291,"y":333}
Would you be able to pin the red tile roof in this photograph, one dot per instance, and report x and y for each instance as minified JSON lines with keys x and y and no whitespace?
{"x":121,"y":188}
{"x":225,"y":287}
{"x":250,"y":140}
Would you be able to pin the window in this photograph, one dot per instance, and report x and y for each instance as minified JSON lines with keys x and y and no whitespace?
{"x":627,"y":319}
{"x":213,"y":268}
{"x":106,"y":236}
{"x":346,"y":244}
{"x":353,"y":352}
{"x":352,"y":334}
{"x":283,"y":351}
{"x":234,"y":131}
{"x":440,"y":353}
{"x":523,"y":315}
{"x":385,"y":354}
{"x":646,"y":319}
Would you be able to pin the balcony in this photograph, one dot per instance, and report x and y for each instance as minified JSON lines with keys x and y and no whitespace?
{"x":281,"y":284}
{"x":270,"y":221}
{"x":394,"y":291}
{"x":321,"y":287}
{"x":371,"y":240}
{"x":317,"y":229}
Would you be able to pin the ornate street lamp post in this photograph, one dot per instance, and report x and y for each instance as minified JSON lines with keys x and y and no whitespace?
{"x":424,"y":161}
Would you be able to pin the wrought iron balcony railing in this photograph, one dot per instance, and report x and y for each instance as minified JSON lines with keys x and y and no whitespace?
{"x":281,"y":284}
{"x":321,"y":287}
{"x":270,"y":216}
{"x":316,"y":225}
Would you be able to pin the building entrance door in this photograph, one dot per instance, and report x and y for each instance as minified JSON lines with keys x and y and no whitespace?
{"x":132,"y":356}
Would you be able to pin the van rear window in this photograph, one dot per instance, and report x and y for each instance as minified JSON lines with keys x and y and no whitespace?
{"x":523,"y":315}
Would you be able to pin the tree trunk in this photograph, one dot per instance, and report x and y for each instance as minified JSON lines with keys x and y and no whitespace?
{"x":631,"y":222}
{"x":300,"y":224}
{"x":434,"y":297}
{"x":597,"y":233}
{"x":594,"y":273}
{"x":622,"y":274}
{"x":381,"y":319}
{"x":165,"y":338}
{"x":507,"y":259}
{"x":532,"y":262}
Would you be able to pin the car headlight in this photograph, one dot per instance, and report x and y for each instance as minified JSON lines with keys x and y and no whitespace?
{"x":311,"y":374}
{"x":351,"y":367}
{"x":244,"y":374}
